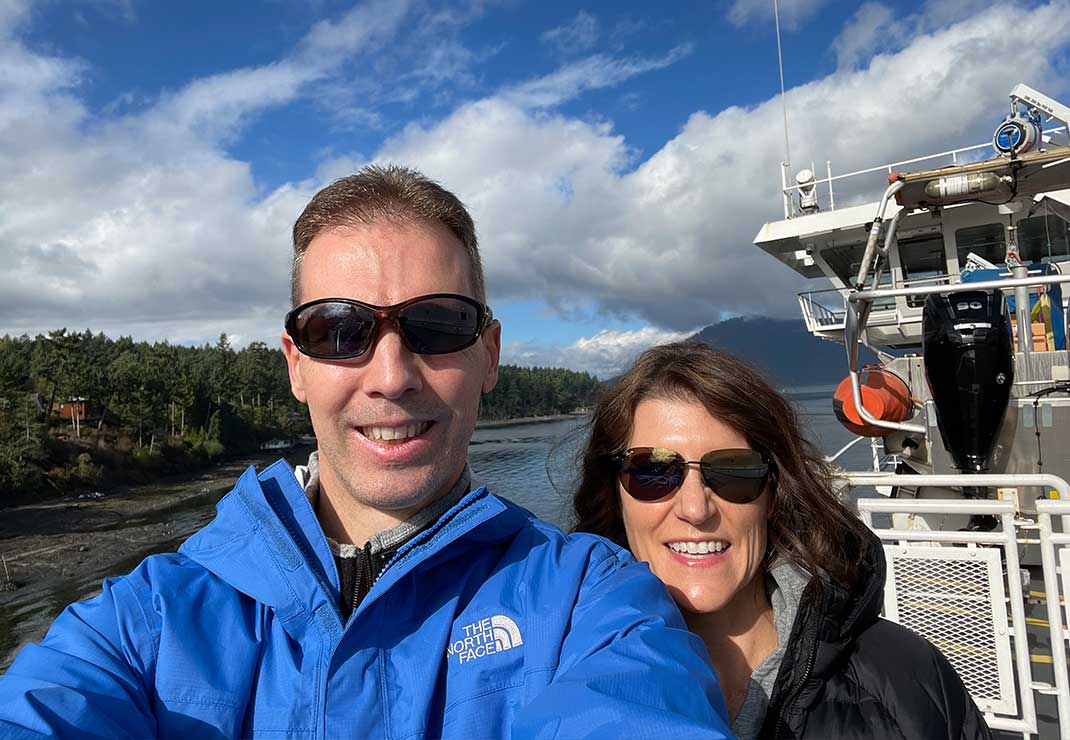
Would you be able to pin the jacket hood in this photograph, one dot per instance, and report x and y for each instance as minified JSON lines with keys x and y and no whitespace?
{"x":266,"y":542}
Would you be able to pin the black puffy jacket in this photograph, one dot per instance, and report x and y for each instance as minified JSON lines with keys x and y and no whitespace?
{"x":847,"y":673}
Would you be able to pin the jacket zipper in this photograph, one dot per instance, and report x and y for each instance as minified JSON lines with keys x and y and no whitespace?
{"x":364,"y":579}
{"x":790,"y":702}
{"x":409,"y":547}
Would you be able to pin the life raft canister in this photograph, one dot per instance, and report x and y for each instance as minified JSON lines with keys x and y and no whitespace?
{"x":885,"y":396}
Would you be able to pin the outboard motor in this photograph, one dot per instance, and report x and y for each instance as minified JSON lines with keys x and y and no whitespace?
{"x":969,"y":363}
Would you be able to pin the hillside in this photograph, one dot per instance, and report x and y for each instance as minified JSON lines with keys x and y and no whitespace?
{"x":783,"y":349}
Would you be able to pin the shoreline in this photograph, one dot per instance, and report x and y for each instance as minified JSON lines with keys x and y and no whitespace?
{"x":58,"y":549}
{"x":522,"y":420}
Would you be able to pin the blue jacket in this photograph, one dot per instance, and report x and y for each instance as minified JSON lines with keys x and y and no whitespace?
{"x":489,"y":624}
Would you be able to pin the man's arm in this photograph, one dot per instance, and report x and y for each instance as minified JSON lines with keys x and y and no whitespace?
{"x":629,"y":667}
{"x":87,"y":678}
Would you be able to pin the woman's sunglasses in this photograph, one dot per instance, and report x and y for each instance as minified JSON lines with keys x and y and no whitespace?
{"x":340,"y":328}
{"x":652,"y":473}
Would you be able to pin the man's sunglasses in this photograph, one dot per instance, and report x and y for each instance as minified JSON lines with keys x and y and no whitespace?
{"x":652,"y":473}
{"x":340,"y":328}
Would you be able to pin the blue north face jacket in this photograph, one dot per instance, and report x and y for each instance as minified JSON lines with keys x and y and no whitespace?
{"x":489,"y":624}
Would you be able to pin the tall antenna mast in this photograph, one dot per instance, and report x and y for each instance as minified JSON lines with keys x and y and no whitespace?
{"x":783,"y":97}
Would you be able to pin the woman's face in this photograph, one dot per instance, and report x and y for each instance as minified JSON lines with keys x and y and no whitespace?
{"x":658,"y":530}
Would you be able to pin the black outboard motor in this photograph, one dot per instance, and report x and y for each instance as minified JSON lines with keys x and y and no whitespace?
{"x":969,"y":362}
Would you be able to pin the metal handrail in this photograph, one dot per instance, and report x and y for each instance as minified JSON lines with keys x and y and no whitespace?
{"x":788,"y":190}
{"x":858,"y":303}
{"x":1005,"y":510}
{"x":1039,"y":480}
{"x":877,"y":293}
{"x":1048,"y":540}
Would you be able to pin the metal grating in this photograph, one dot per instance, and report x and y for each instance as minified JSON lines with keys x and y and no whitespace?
{"x":955,"y":598}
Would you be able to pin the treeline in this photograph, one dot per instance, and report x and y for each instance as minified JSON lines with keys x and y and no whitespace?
{"x":81,"y":410}
{"x":538,"y":391}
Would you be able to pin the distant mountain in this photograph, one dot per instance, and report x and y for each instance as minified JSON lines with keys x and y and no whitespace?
{"x":782,"y":349}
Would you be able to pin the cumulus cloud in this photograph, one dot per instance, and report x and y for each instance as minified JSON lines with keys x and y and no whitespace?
{"x":873,"y":28}
{"x":143,"y":224}
{"x":792,"y":12}
{"x":574,"y":37}
{"x":143,"y":220}
{"x":565,"y":209}
{"x":604,"y":355}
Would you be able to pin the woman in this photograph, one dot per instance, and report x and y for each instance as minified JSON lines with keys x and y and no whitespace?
{"x":697,"y":466}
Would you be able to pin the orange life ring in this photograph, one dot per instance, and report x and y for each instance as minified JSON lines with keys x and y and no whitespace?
{"x":885,"y":396}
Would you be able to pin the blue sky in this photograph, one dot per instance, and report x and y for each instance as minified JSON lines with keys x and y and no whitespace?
{"x":618,"y":157}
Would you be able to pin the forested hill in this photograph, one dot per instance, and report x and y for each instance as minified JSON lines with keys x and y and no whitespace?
{"x":783,"y":349}
{"x":81,"y":410}
{"x":538,"y":391}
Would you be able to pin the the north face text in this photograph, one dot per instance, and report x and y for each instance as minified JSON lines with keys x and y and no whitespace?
{"x":485,"y":637}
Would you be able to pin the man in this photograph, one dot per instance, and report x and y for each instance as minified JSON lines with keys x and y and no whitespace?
{"x":380,"y":592}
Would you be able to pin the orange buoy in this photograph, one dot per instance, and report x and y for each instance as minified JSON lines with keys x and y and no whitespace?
{"x":885,"y":396}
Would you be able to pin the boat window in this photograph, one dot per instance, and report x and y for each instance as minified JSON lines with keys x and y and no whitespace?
{"x":923,"y":264}
{"x":987,"y":241}
{"x":845,"y":261}
{"x":1043,"y":238}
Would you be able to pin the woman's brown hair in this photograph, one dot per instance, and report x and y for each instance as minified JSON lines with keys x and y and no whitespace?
{"x":808,"y":524}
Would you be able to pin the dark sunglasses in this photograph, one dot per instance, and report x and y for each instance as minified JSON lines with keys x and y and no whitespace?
{"x":652,"y":473}
{"x":341,"y":328}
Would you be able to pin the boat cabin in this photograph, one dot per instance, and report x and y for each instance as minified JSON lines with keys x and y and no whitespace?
{"x":931,"y":246}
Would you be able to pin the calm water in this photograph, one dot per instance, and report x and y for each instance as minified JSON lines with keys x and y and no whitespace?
{"x":531,"y":464}
{"x":535,"y":464}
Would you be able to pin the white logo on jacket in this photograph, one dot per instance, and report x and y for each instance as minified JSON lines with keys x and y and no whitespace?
{"x":487,"y":636}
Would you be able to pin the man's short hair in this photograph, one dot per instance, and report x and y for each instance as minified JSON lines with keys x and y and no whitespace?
{"x":377,"y":193}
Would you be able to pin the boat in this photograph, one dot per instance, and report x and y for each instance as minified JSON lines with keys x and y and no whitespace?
{"x":955,"y":279}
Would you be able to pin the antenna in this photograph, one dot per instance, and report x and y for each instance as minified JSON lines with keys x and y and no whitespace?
{"x":783,"y":97}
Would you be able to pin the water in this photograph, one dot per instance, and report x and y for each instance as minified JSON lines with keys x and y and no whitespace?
{"x":534,"y":465}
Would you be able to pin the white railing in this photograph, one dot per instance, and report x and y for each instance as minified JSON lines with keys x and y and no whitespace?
{"x":826,"y":310}
{"x":819,"y":316}
{"x":1050,"y":543}
{"x":953,"y":154}
{"x":954,"y":587}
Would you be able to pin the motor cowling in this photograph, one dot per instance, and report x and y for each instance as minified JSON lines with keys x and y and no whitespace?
{"x":969,"y":364}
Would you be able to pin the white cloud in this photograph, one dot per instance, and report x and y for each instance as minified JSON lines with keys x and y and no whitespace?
{"x":792,"y":12}
{"x":872,"y":29}
{"x":592,"y":73}
{"x":604,"y":355}
{"x":563,"y":211}
{"x":575,"y":37}
{"x":12,"y":14}
{"x":878,"y":28}
{"x":216,"y":106}
{"x":368,"y":25}
{"x":939,"y":13}
{"x":144,"y":224}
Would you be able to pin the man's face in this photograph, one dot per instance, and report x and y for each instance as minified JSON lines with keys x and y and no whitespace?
{"x":361,"y":408}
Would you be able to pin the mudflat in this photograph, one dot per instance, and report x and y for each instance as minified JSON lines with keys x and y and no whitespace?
{"x":60,"y":550}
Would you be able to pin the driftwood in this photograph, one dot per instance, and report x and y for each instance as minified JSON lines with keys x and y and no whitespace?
{"x":6,"y":584}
